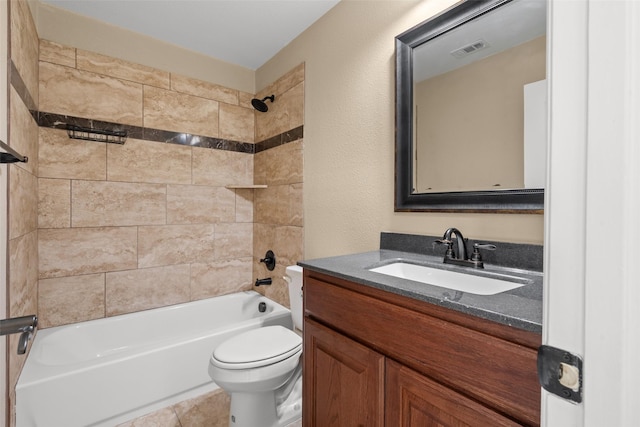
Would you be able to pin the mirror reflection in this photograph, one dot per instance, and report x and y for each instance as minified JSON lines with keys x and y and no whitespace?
{"x":479,"y":103}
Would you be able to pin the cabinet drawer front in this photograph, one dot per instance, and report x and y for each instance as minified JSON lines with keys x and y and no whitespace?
{"x":491,"y":370}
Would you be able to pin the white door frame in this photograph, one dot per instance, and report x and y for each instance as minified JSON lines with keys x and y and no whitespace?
{"x":592,"y":305}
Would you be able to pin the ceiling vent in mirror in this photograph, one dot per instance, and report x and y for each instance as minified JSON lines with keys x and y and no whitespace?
{"x":470,"y":48}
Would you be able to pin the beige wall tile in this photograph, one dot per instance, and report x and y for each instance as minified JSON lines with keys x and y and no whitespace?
{"x":291,"y":79}
{"x":57,"y":53}
{"x":290,"y":243}
{"x":204,"y":89}
{"x":236,"y":123}
{"x":272,"y":205}
{"x":211,"y":410}
{"x":169,"y":110}
{"x":63,"y":157}
{"x":24,"y":46}
{"x":71,"y":299}
{"x":23,"y":132}
{"x":284,"y":164}
{"x":220,"y":168}
{"x":260,"y":164}
{"x":165,"y":417}
{"x":149,"y":161}
{"x":54,"y":203}
{"x":287,"y":112}
{"x":175,"y":244}
{"x":220,"y":277}
{"x":23,"y":274}
{"x":75,"y":251}
{"x":136,"y":290}
{"x":197,"y":204}
{"x":23,"y":205}
{"x":103,"y":203}
{"x":74,"y":92}
{"x":296,"y":205}
{"x":234,"y":240}
{"x":120,"y":69}
{"x":244,"y":100}
{"x":244,"y":205}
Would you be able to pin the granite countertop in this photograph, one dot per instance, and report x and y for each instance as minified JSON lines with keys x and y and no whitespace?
{"x":520,"y":308}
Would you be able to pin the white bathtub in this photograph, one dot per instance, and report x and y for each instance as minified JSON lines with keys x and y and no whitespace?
{"x":107,"y":371}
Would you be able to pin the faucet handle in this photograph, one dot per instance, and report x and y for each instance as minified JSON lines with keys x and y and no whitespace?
{"x":449,"y":253}
{"x":476,"y":257}
{"x":487,"y":246}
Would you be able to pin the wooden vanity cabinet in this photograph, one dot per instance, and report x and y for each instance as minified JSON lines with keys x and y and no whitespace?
{"x":374,"y":358}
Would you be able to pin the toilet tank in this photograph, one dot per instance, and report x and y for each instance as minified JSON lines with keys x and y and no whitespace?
{"x":294,"y":279}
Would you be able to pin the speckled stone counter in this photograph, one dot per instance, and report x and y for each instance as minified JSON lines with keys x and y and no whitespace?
{"x":520,"y":308}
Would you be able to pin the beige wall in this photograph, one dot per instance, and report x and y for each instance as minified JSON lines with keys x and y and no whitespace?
{"x":473,"y":118}
{"x":349,"y":132}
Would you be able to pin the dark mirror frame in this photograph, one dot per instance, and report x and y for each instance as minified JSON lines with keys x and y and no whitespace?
{"x":496,"y":201}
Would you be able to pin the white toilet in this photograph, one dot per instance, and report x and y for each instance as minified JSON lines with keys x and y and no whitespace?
{"x":262,"y":368}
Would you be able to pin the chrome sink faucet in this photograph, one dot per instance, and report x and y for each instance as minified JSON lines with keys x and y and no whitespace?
{"x":459,"y":255}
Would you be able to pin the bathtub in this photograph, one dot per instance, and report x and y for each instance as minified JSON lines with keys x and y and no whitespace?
{"x":107,"y":371}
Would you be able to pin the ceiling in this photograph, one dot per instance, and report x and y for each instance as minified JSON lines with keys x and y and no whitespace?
{"x":242,"y":32}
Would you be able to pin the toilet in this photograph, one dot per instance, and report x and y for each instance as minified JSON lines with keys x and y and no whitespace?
{"x":261,"y":369}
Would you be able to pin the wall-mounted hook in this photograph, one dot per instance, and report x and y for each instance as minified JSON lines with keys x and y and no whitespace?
{"x":269,"y":260}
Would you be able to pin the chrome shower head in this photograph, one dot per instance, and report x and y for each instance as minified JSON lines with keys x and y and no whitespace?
{"x":260,"y":105}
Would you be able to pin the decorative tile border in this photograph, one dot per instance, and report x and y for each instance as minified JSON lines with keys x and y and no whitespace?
{"x":59,"y":121}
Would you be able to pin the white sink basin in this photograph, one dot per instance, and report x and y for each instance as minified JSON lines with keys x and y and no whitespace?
{"x":450,"y":279}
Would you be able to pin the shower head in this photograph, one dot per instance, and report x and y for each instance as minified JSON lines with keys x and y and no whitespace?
{"x":260,"y":105}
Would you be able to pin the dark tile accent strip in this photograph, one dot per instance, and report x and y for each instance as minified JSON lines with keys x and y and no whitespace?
{"x":60,"y":121}
{"x":21,"y":88}
{"x":275,"y":141}
{"x":515,"y":255}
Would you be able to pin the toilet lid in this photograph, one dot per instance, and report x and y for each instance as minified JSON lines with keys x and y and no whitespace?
{"x":257,"y":347}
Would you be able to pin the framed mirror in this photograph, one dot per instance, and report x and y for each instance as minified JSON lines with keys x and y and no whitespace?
{"x":471,"y":109}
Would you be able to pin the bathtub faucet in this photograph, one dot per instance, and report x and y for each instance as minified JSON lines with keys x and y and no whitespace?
{"x":25,"y":326}
{"x":266,"y":281}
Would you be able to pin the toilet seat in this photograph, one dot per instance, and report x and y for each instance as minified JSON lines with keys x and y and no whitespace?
{"x":257,"y":347}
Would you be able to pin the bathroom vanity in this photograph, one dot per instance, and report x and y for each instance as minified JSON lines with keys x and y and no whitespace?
{"x":379,"y":350}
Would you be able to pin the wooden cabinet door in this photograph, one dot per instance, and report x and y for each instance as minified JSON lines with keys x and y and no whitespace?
{"x":414,"y":400}
{"x":343,"y":383}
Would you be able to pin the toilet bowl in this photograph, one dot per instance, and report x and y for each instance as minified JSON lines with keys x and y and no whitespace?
{"x":261,"y":369}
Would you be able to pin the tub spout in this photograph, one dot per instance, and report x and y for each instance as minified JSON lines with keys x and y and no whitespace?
{"x":266,"y":281}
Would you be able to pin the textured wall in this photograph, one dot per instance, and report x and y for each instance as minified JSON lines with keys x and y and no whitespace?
{"x":349,"y":132}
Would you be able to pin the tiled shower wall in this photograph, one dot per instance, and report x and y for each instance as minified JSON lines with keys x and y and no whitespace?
{"x":23,"y":184}
{"x":99,"y":229}
{"x":124,"y":228}
{"x":278,"y":209}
